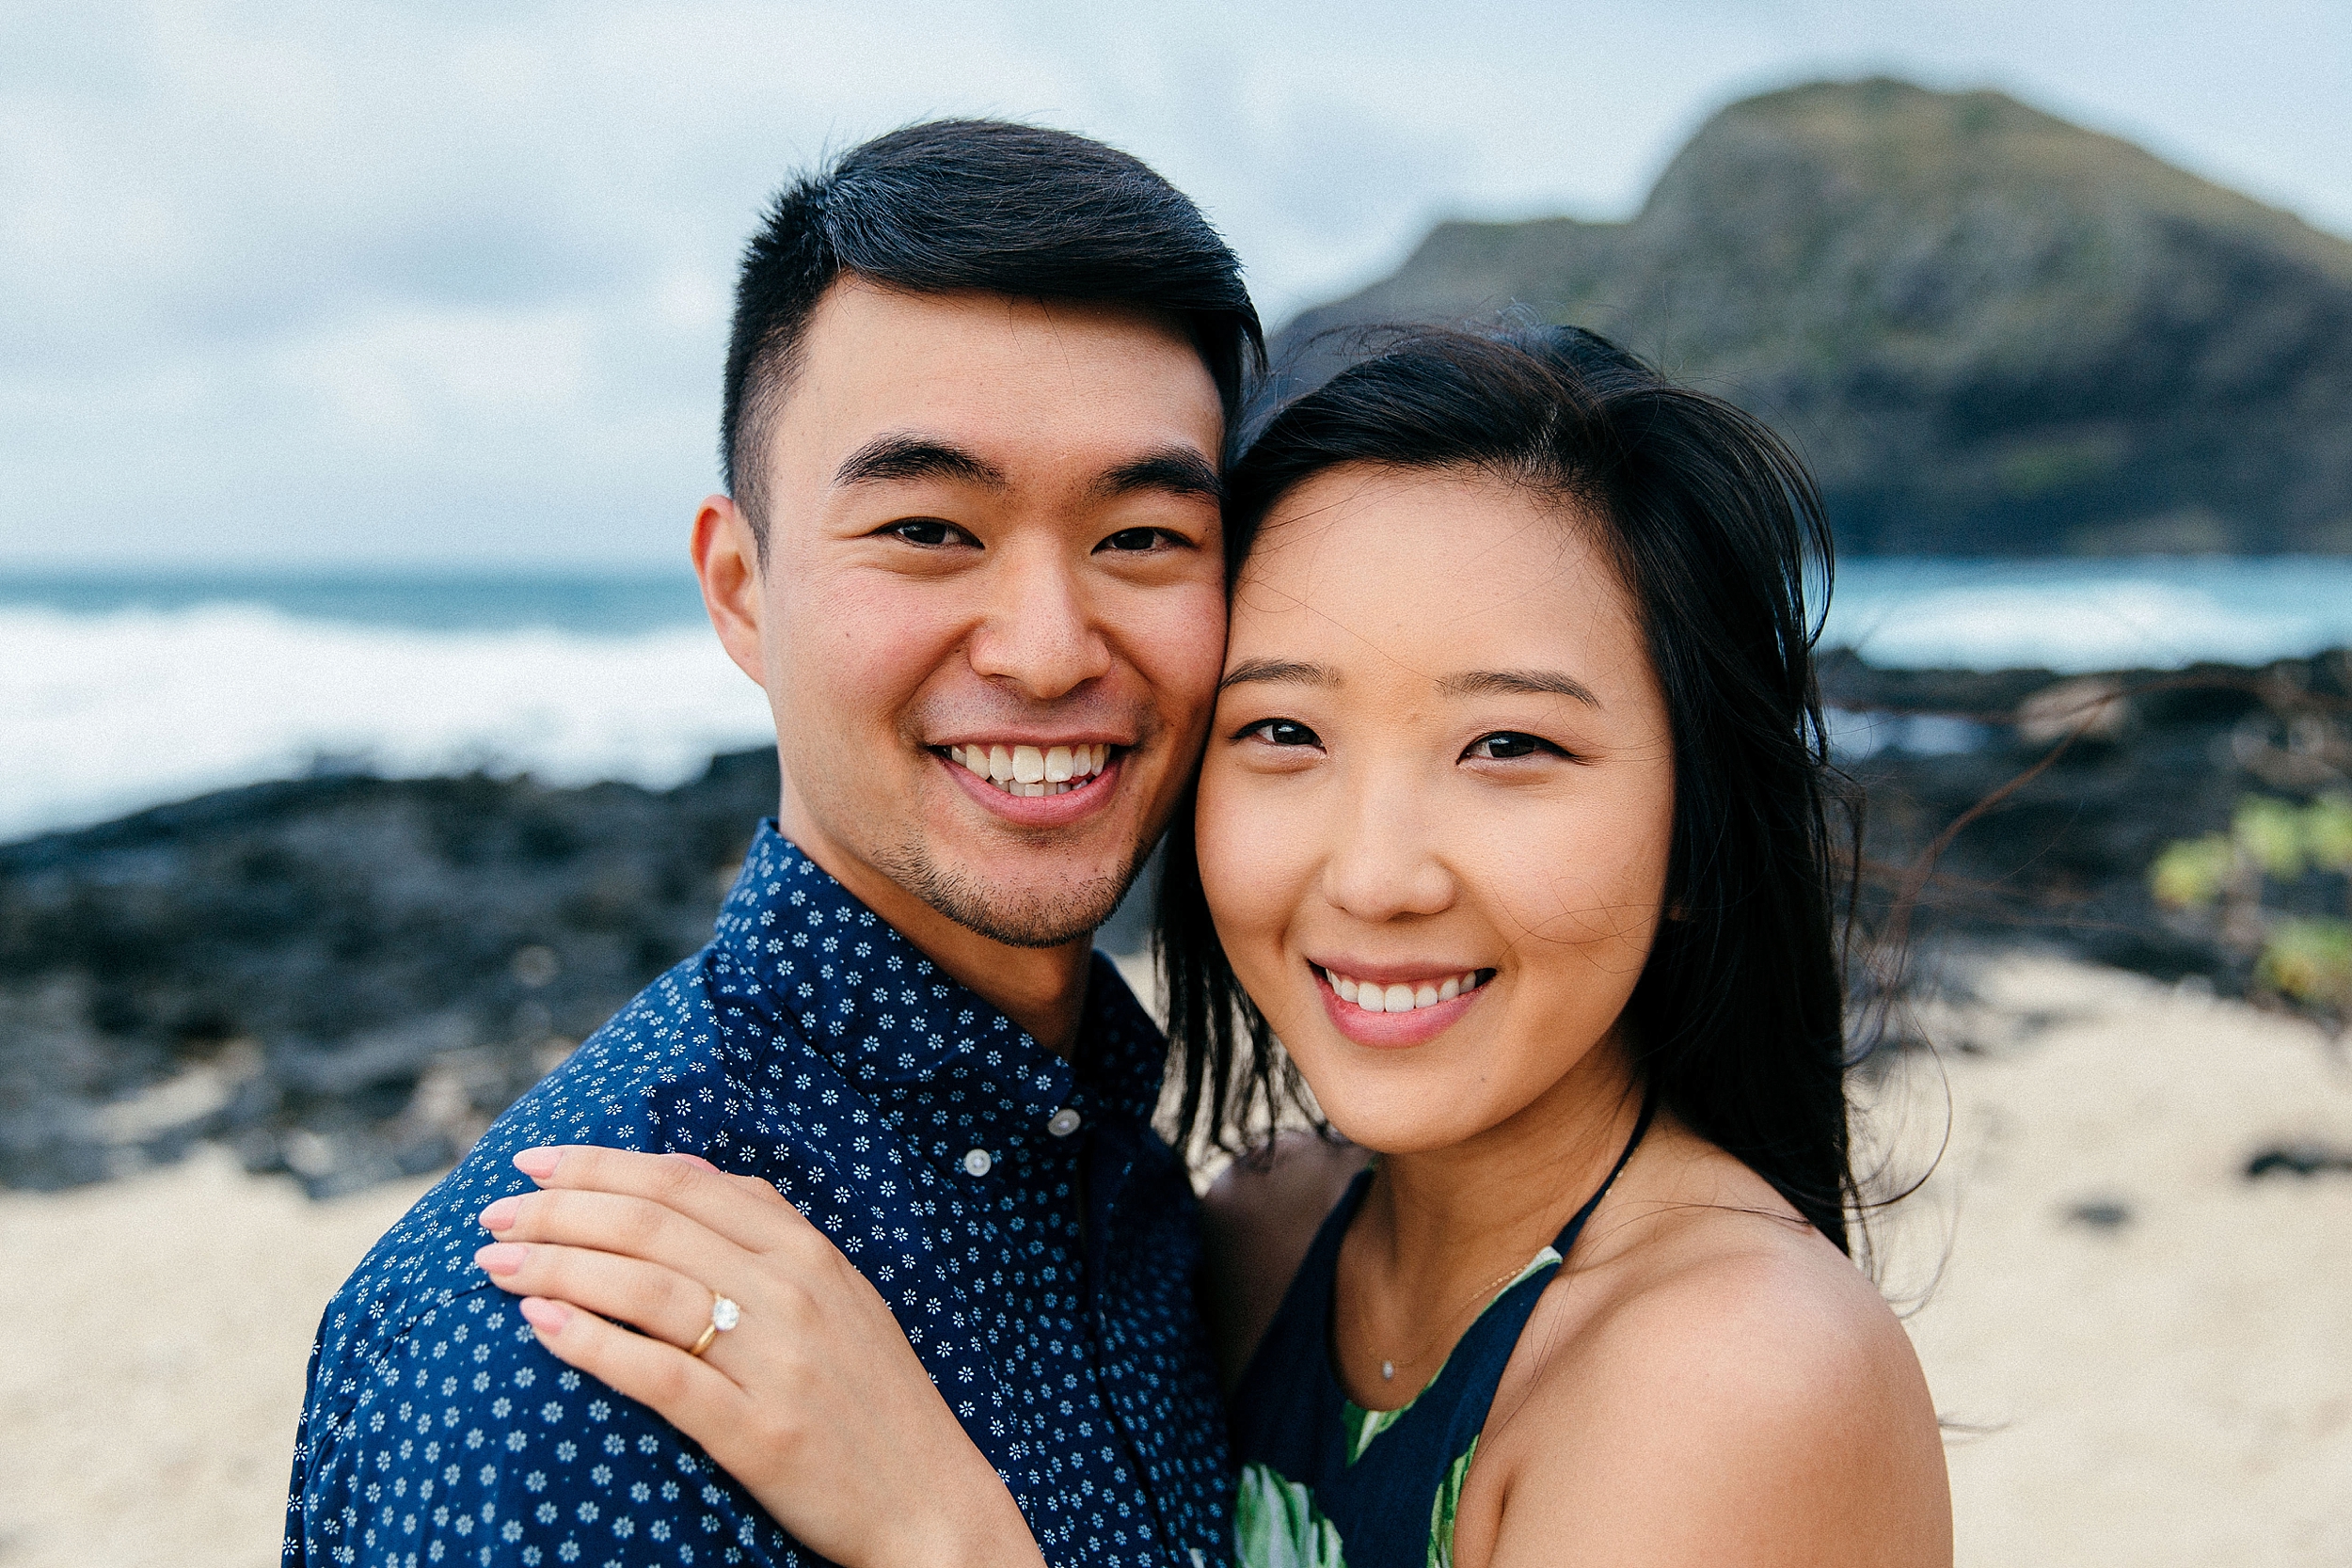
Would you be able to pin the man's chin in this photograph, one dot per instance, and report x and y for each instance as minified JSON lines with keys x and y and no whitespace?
{"x":1026,"y":912}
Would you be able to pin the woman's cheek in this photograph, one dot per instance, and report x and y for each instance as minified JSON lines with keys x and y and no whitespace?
{"x":1249,"y":871}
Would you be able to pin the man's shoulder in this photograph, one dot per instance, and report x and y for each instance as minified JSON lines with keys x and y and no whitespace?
{"x":641,"y":1082}
{"x":434,"y":1417}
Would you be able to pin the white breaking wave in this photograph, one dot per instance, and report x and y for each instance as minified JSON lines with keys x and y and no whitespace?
{"x":106,"y":714}
{"x":2078,"y":616}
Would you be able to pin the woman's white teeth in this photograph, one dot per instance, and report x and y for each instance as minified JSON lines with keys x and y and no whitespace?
{"x":1400,"y":999}
{"x":1032,"y":770}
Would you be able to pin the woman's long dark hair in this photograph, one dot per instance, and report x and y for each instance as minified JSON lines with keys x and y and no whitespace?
{"x":1738,"y":1021}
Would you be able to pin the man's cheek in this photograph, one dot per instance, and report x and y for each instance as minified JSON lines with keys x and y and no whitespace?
{"x":1182,"y":654}
{"x":868,"y":654}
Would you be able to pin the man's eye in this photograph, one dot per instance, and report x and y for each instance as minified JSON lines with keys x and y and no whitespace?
{"x":1281,"y":732}
{"x":1505,"y":744}
{"x":1137,"y":539}
{"x":928,"y":531}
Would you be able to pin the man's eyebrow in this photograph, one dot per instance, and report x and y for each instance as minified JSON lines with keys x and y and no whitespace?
{"x":1175,"y":471}
{"x":902,"y":455}
{"x":1279,"y":670}
{"x":1518,"y":683}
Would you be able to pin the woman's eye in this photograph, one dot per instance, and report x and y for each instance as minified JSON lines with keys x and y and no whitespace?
{"x":928,"y":531}
{"x":1137,"y":539}
{"x":1505,"y":744}
{"x":1281,"y":732}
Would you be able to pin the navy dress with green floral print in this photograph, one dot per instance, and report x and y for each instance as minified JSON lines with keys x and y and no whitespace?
{"x":1326,"y":1484}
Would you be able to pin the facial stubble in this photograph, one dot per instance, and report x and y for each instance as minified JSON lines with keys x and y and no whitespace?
{"x":1017,"y":920}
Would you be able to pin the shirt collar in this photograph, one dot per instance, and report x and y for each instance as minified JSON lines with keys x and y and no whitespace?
{"x":801,"y":950}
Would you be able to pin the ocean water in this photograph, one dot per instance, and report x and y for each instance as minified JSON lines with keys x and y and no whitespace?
{"x":117,"y":693}
{"x":2156,"y":612}
{"x":118,"y":696}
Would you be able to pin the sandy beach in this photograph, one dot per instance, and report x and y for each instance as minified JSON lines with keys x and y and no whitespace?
{"x":2146,"y":1356}
{"x":2153,"y":1352}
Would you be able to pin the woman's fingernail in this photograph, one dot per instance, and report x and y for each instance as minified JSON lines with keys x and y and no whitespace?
{"x":499,"y":1216}
{"x":538,"y":1163}
{"x":501,"y":1257}
{"x":695,"y":1160}
{"x":548,"y":1317}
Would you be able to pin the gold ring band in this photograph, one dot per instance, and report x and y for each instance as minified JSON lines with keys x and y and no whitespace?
{"x":725,"y":1315}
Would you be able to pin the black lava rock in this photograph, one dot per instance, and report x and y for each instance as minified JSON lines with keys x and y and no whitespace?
{"x":345,"y":977}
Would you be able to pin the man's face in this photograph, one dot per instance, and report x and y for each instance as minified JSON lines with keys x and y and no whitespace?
{"x":993,"y":546}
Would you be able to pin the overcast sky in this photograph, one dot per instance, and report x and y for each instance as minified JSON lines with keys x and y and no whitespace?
{"x":289,"y":284}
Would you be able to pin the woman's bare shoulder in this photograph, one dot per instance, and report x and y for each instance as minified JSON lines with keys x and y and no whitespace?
{"x":1257,"y":1219}
{"x":1735,"y":1390}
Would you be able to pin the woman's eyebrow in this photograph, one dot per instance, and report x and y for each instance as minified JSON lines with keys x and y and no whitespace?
{"x":1279,"y":670}
{"x":1518,"y":683}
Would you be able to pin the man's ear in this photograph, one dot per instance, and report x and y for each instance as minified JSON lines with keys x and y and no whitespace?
{"x":726,"y":561}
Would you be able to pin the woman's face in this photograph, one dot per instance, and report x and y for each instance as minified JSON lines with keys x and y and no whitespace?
{"x":1440,"y":755}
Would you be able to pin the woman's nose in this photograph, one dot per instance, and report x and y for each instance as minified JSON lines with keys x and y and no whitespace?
{"x":1384,"y":862}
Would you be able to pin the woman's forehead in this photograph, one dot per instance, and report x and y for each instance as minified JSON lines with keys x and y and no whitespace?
{"x":1364,"y":555}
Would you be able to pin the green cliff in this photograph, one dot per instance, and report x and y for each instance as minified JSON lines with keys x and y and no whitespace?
{"x":1990,"y":331}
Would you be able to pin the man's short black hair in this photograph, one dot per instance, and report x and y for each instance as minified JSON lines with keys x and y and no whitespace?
{"x":976,"y":204}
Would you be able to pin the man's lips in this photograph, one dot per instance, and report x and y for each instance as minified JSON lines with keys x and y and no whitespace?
{"x":1057,"y":803}
{"x":1033,"y":768}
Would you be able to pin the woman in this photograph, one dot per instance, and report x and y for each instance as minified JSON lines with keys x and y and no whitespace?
{"x":1511,"y":830}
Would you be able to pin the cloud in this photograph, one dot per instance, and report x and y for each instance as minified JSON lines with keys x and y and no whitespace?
{"x":432,"y":281}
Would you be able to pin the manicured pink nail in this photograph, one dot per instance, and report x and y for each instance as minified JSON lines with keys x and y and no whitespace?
{"x":499,"y":1216}
{"x":538,"y":1163}
{"x":695,"y":1160}
{"x":548,"y":1317}
{"x":501,"y":1257}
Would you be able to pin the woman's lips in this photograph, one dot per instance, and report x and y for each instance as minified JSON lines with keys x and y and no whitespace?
{"x":1416,"y":1022}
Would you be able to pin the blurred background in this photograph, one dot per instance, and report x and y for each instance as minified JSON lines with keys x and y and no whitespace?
{"x":362,"y":745}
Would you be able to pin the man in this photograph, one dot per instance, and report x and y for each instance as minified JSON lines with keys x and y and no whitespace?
{"x":976,"y":399}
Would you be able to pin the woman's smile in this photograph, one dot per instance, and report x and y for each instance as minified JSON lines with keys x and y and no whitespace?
{"x":1392,"y":1006}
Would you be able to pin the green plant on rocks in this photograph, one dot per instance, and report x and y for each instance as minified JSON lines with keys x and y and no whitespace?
{"x":2310,"y":960}
{"x":2304,"y":959}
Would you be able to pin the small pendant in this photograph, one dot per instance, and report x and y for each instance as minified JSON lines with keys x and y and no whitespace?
{"x":1387,"y":1371}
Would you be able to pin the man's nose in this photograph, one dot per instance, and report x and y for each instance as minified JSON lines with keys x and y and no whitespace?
{"x":1383,"y":862}
{"x":1038,"y":633}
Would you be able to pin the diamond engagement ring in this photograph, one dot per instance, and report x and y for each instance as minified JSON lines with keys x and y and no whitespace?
{"x":725,"y":1315}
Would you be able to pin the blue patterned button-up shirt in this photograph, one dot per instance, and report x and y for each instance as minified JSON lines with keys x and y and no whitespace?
{"x":1046,"y":1279}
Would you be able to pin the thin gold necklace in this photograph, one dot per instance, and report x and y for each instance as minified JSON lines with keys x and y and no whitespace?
{"x":1484,"y":1293}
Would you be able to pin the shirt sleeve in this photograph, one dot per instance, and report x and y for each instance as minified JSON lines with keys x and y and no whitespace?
{"x":459,"y":1439}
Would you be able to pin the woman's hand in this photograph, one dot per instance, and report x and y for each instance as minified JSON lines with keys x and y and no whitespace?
{"x":815,"y":1402}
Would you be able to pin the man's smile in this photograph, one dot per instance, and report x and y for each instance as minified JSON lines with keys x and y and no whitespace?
{"x":1037,"y":785}
{"x":1034,"y":772}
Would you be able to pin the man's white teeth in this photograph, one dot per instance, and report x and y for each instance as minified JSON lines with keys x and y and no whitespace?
{"x":1400,"y":999}
{"x":1031,"y":771}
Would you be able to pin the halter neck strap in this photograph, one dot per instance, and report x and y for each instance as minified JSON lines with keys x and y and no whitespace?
{"x":1569,"y":1232}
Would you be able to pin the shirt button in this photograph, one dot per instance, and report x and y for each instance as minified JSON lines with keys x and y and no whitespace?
{"x":1064,"y":1122}
{"x":976,"y":1163}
